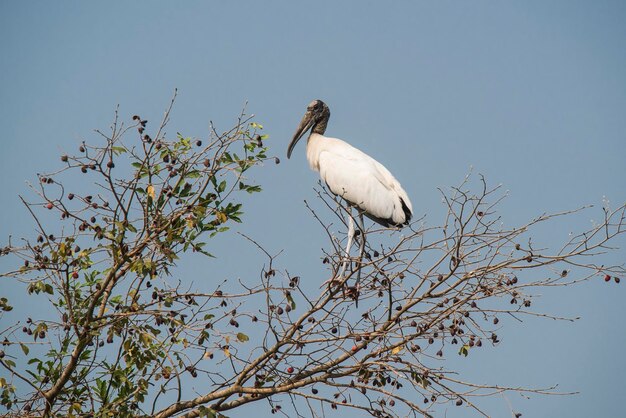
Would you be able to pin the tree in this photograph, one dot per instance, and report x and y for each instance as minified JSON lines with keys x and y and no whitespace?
{"x":125,"y":337}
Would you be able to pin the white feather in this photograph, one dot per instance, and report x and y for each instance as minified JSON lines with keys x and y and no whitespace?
{"x":358,"y":178}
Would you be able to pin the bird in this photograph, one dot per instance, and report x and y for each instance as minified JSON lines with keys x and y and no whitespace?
{"x":351,"y":174}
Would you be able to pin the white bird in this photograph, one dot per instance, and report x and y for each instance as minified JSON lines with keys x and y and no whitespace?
{"x":352,"y":175}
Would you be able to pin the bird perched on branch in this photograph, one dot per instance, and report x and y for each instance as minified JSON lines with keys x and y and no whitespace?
{"x":352,"y":175}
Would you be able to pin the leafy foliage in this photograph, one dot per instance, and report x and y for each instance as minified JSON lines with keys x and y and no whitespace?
{"x":117,"y":333}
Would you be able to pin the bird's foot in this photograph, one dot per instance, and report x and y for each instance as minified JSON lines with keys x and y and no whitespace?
{"x":353,"y":293}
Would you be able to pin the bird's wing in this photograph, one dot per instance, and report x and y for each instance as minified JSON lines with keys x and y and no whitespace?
{"x":363,"y":181}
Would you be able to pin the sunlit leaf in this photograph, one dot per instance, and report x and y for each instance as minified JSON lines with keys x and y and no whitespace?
{"x":150,"y":191}
{"x":464,"y":350}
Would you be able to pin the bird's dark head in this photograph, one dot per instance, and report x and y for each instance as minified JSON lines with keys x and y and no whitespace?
{"x":315,"y":118}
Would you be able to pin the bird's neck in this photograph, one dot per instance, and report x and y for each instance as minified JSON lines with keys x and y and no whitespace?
{"x":314,"y":145}
{"x":320,"y":127}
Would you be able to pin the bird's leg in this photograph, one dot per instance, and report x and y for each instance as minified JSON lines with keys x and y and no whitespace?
{"x":361,"y":252}
{"x":350,"y":237}
{"x":339,"y":277}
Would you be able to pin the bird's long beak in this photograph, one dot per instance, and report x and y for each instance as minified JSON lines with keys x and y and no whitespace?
{"x":305,"y":125}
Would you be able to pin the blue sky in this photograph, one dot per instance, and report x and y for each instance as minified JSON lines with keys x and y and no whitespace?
{"x":531,"y":94}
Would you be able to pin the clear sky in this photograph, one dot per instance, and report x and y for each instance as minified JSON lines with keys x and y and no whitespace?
{"x":532,"y":94}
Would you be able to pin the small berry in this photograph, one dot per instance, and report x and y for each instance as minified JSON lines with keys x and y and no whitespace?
{"x":289,"y":369}
{"x":607,"y":278}
{"x":198,"y":143}
{"x":64,"y":158}
{"x":49,"y":205}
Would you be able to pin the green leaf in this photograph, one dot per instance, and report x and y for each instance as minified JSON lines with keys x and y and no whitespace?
{"x":24,"y":348}
{"x":464,"y":350}
{"x":291,"y":301}
{"x":242,"y":337}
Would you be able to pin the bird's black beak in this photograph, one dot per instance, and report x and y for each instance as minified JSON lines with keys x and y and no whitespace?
{"x":305,"y":125}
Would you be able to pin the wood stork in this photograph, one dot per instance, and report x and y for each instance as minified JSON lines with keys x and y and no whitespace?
{"x":351,"y":174}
